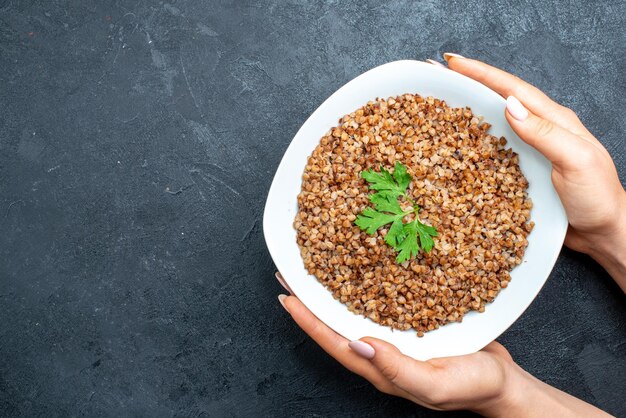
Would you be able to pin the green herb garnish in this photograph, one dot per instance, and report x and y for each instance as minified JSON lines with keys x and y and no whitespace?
{"x":406,"y":238}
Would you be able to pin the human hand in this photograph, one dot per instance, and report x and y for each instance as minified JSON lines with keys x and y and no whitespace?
{"x":583,"y":172}
{"x":477,"y":381}
{"x":488,"y":382}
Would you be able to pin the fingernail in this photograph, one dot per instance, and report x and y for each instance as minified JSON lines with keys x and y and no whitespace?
{"x":448,"y":55}
{"x":435,"y":63}
{"x":516,"y":108}
{"x":362,"y":349}
{"x":281,"y":299}
{"x":282,"y":282}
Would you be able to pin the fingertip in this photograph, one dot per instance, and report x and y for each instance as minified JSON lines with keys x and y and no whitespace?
{"x":523,"y":130}
{"x":463,"y":65}
{"x":449,"y":55}
{"x":555,"y":143}
{"x":281,"y":299}
{"x":516,"y":109}
{"x":290,"y":302}
{"x":363,"y":349}
{"x":514,"y":123}
{"x":381,"y":346}
{"x":403,"y":371}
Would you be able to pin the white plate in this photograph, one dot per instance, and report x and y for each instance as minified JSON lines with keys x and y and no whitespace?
{"x":477,"y":329}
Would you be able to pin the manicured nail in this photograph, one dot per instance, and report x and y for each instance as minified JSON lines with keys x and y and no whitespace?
{"x":516,"y":108}
{"x":448,"y":55}
{"x":362,"y":349}
{"x":282,"y":282}
{"x":435,"y":63}
{"x":281,"y":299}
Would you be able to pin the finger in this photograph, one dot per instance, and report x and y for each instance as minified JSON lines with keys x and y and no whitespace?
{"x":507,"y":85}
{"x":560,"y":146}
{"x":498,"y":349}
{"x":332,"y":343}
{"x":413,"y":376}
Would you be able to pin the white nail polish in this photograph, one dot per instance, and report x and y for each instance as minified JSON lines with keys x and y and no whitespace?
{"x":516,"y":109}
{"x":362,"y":349}
{"x":281,"y":299}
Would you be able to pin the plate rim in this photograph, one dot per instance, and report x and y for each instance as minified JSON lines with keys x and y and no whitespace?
{"x":274,"y":247}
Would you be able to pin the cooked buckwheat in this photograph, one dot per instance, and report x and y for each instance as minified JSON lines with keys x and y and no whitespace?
{"x":468,"y":186}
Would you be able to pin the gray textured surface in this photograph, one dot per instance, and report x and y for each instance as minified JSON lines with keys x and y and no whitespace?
{"x":137,"y":143}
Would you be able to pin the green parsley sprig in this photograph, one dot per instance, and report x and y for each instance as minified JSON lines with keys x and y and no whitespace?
{"x":406,"y":238}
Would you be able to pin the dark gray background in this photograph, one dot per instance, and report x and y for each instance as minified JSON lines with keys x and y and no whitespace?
{"x":137,"y":144}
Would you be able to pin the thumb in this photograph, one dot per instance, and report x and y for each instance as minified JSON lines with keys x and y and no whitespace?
{"x":558,"y":145}
{"x":413,"y":376}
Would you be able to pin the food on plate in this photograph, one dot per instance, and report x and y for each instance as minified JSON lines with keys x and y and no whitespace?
{"x":406,"y":238}
{"x":411,"y":213}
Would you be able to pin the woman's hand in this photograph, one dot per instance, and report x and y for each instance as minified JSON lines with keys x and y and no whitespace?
{"x":583,"y":172}
{"x":488,"y":382}
{"x":477,"y":381}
